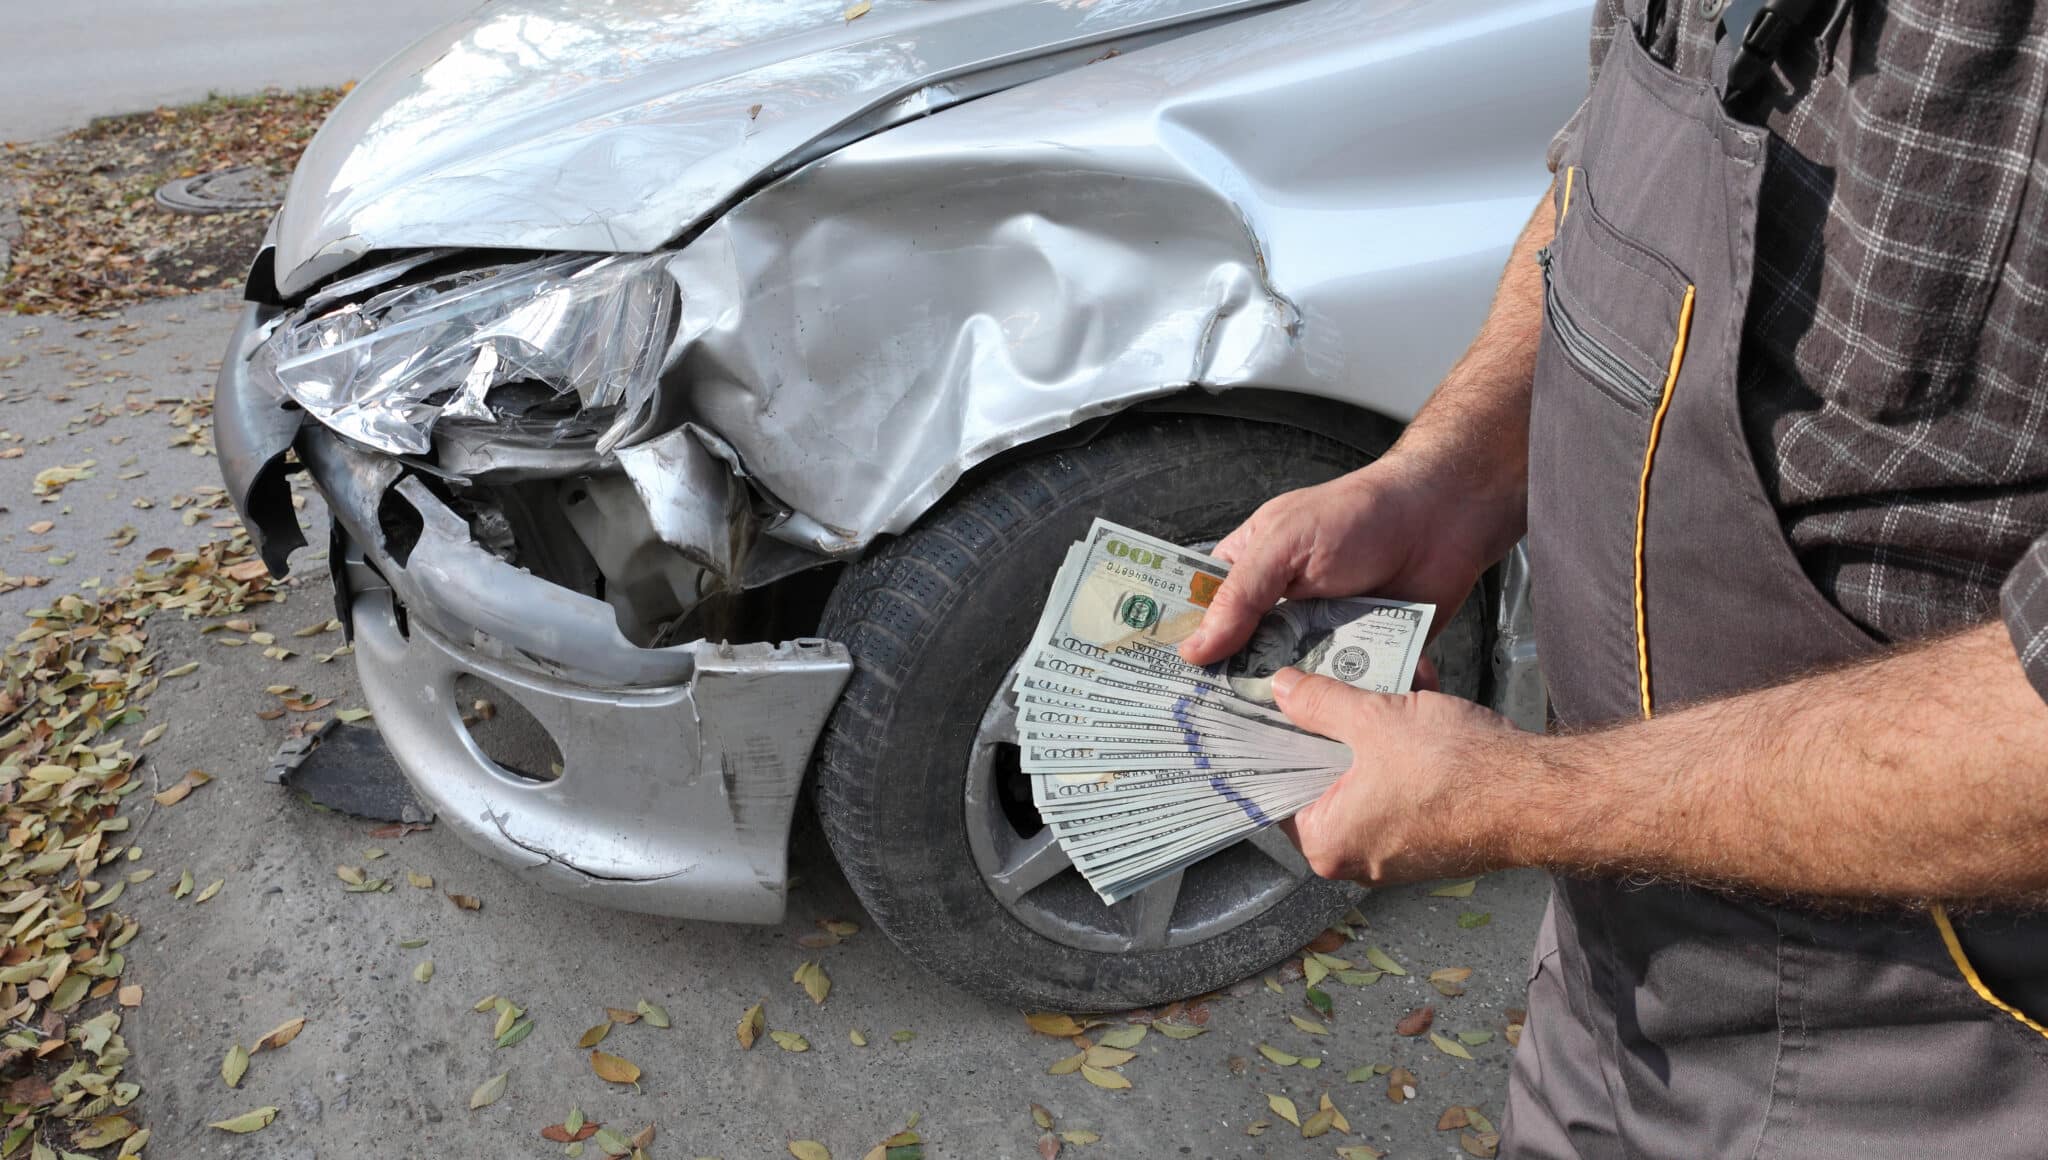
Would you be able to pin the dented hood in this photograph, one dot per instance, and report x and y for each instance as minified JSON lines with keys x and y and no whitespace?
{"x":565,"y":125}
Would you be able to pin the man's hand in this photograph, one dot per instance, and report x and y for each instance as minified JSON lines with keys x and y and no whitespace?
{"x":1432,"y":514}
{"x":1386,"y":530}
{"x":1405,"y":811}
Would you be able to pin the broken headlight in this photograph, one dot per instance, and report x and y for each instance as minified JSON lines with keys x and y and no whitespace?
{"x":566,"y":346}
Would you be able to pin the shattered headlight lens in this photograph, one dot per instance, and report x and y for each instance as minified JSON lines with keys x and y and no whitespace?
{"x":558,"y":347}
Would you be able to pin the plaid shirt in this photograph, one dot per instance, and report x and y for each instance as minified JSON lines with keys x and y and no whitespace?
{"x":1894,"y":366}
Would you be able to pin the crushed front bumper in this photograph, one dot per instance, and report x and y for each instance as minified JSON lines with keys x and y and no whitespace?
{"x":680,"y":766}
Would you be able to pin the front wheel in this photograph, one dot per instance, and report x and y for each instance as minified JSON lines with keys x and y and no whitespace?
{"x":919,"y":789}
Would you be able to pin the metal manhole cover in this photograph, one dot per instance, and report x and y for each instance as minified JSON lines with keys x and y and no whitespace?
{"x":222,"y":191}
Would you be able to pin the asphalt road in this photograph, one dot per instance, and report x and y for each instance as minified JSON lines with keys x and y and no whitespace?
{"x":386,"y":1064}
{"x":67,"y":63}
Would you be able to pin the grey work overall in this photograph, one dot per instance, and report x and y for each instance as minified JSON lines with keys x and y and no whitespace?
{"x":1674,"y":1022}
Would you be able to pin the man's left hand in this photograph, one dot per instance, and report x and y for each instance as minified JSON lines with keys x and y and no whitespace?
{"x":1413,"y":805}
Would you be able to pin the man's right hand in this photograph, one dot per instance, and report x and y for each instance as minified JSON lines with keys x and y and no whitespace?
{"x":1384,"y":530}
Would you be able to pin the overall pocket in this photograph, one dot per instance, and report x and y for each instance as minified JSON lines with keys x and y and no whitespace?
{"x":1614,"y":308}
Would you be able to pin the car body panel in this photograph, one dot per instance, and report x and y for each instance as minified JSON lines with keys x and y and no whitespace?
{"x":558,"y":125}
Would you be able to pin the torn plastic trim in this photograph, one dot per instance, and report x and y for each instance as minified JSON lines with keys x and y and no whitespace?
{"x":446,"y":579}
{"x":673,"y":800}
{"x":253,"y":428}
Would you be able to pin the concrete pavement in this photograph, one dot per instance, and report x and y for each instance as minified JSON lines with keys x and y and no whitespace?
{"x":68,"y":63}
{"x":386,"y":1064}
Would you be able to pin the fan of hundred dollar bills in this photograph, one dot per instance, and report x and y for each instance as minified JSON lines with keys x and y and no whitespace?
{"x":1143,"y":764}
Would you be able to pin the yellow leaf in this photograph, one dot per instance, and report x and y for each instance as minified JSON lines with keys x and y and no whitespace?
{"x":212,"y":888}
{"x":1318,"y":1124}
{"x":1308,"y":1025}
{"x":1100,"y":1056}
{"x":1108,"y":1080}
{"x":808,"y":1150}
{"x":282,"y":1034}
{"x":1060,"y":1026}
{"x":811,"y":977}
{"x":856,"y":1037}
{"x":352,"y":875}
{"x":1449,"y":1046}
{"x":750,"y":1026}
{"x":1337,"y":1119}
{"x":859,"y":10}
{"x":1313,"y":971}
{"x":612,"y":1069}
{"x":595,"y":1035}
{"x":235,"y":1065}
{"x":424,"y":971}
{"x":1080,"y":1136}
{"x":193,"y":779}
{"x":246,"y":1122}
{"x":1384,"y":961}
{"x":1041,"y":1117}
{"x":422,"y":881}
{"x":488,"y":1092}
{"x":790,"y":1041}
{"x":1284,"y":1108}
{"x":655,"y":1015}
{"x":1068,"y":1065}
{"x":1455,"y":890}
{"x":1126,"y":1036}
{"x":1284,"y":1059}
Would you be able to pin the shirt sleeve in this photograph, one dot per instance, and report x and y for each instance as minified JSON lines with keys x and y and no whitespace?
{"x":2024,"y":601}
{"x":1608,"y":18}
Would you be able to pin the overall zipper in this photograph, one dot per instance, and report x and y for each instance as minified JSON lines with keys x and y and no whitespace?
{"x":1601,"y":365}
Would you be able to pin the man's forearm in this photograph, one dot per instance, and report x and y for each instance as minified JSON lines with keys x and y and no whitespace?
{"x":1475,"y":427}
{"x":1918,"y":777}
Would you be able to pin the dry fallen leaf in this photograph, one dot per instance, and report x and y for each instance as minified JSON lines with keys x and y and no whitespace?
{"x":1416,"y":1022}
{"x":812,"y":978}
{"x":193,"y":779}
{"x":790,"y":1041}
{"x":1041,"y":1117}
{"x":1319,"y":1124}
{"x":1452,"y":1119}
{"x":1481,"y":1144}
{"x":808,"y":1150}
{"x":1068,"y":1065}
{"x":1449,"y":1046}
{"x":1060,"y":1026}
{"x":424,"y":971}
{"x":1284,"y":1108}
{"x":212,"y":888}
{"x":1450,"y":981}
{"x":1274,"y":1054}
{"x":859,"y":10}
{"x":1048,"y":1147}
{"x":750,"y":1026}
{"x":1100,"y":1056}
{"x":417,"y":879}
{"x":1384,"y":961}
{"x":282,"y":1034}
{"x":130,"y":995}
{"x":1127,"y":1036}
{"x":1400,"y":1085}
{"x":1455,"y":890}
{"x":1107,"y":1080}
{"x":488,"y":1092}
{"x":595,"y":1035}
{"x":857,"y":1037}
{"x":247,"y":1122}
{"x":612,"y":1069}
{"x":235,"y":1066}
{"x":466,"y":902}
{"x":656,"y":1016}
{"x":1080,"y":1136}
{"x":1308,"y":1025}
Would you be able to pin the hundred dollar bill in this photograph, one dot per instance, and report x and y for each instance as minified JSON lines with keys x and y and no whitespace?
{"x":1126,"y":601}
{"x":1141,"y":763}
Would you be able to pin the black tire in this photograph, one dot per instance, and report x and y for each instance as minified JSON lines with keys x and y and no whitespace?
{"x":936,"y":619}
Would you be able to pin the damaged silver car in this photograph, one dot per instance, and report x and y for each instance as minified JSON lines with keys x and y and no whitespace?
{"x":719,"y":385}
